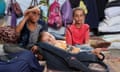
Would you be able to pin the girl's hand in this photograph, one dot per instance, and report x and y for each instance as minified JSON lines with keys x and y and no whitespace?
{"x":26,"y":14}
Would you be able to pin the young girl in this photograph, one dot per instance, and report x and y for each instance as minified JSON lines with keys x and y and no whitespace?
{"x":29,"y":28}
{"x":78,"y":32}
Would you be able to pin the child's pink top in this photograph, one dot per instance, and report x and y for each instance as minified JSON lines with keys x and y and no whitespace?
{"x":79,"y":35}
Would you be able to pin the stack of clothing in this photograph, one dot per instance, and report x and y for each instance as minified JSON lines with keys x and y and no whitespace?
{"x":111,"y":23}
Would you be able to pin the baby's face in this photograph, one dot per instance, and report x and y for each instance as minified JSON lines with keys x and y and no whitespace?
{"x":47,"y":37}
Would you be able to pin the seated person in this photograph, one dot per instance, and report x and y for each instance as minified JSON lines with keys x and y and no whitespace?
{"x":29,"y":28}
{"x":78,"y":32}
{"x":48,"y":38}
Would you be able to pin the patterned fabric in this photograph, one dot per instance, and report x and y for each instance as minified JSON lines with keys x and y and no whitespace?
{"x":8,"y":35}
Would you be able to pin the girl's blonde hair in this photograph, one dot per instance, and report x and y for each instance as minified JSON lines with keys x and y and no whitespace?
{"x":78,"y":8}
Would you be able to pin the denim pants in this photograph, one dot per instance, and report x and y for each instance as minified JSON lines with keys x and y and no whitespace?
{"x":23,"y":61}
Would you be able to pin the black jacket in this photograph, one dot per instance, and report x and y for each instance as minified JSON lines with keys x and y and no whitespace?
{"x":25,"y":33}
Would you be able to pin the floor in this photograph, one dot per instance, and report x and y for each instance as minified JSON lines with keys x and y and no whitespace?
{"x":113,"y":62}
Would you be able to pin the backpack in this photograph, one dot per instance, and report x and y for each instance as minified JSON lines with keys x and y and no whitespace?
{"x":2,"y":7}
{"x":54,"y":18}
{"x":66,"y":11}
{"x":17,"y":9}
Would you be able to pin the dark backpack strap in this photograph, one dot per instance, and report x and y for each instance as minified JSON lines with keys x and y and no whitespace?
{"x":34,"y":2}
